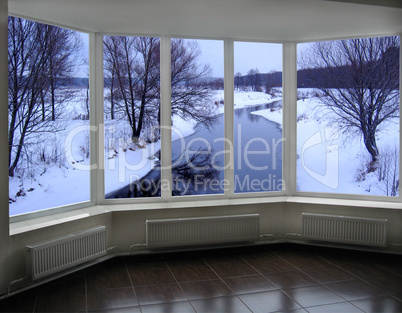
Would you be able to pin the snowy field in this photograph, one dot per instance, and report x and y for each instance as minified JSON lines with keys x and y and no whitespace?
{"x":329,"y":160}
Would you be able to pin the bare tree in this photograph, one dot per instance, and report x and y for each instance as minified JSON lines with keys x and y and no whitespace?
{"x":26,"y":67}
{"x":269,"y":82}
{"x":189,"y":95}
{"x":360,"y":81}
{"x":29,"y":53}
{"x":132,"y":63}
{"x":238,"y":80}
{"x":254,"y":79}
{"x":132,"y":66}
{"x":388,"y":171}
{"x":61,"y":46}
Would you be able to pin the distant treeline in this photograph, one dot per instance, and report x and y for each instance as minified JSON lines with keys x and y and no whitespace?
{"x":306,"y":78}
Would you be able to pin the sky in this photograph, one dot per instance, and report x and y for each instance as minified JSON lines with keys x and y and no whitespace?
{"x":266,"y":57}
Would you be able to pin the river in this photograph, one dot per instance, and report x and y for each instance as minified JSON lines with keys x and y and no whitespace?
{"x":198,"y":159}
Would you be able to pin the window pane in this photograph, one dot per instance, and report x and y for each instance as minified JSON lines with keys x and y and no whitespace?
{"x":197,"y":101}
{"x":48,"y":115}
{"x":257,"y":117}
{"x":348,"y":116}
{"x":131,"y":115}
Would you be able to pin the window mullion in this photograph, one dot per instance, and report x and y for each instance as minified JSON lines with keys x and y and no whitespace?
{"x":229,"y":115}
{"x":165,"y":118}
{"x":96,"y":117}
{"x":289,"y":92}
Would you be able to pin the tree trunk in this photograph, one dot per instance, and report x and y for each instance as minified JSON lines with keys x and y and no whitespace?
{"x":112,"y":97}
{"x":42,"y":98}
{"x":371,"y":146}
{"x":52,"y":92}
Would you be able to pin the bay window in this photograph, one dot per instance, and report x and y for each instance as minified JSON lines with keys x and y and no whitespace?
{"x":346,"y":114}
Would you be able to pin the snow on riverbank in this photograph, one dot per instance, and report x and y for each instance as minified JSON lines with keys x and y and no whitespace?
{"x":273,"y":115}
{"x":332,"y":159}
{"x":247,"y":98}
{"x":329,"y":159}
{"x":54,"y":184}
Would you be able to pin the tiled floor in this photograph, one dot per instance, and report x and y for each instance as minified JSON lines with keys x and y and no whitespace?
{"x":269,"y":278}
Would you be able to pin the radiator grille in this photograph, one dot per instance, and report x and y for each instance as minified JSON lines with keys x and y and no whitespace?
{"x":49,"y":257}
{"x":202,"y":230}
{"x":345,"y":229}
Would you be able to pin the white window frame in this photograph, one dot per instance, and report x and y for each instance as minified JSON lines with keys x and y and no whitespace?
{"x":343,"y":196}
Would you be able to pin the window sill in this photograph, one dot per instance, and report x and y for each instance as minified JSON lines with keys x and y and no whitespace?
{"x":19,"y":227}
{"x":55,"y":219}
{"x":59,"y":218}
{"x":375,"y":204}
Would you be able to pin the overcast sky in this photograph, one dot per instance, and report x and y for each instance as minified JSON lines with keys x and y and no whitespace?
{"x":266,"y":57}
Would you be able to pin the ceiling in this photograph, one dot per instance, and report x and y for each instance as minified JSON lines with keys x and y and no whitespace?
{"x":275,"y":20}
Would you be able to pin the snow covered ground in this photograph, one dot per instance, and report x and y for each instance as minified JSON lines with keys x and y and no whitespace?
{"x":329,"y":160}
{"x":333,"y":160}
{"x":54,"y":184}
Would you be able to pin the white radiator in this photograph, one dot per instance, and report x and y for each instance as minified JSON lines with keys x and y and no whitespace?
{"x":202,"y":230}
{"x":49,"y":257}
{"x":345,"y":229}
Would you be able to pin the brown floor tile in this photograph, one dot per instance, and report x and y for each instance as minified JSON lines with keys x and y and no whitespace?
{"x":384,"y":304}
{"x":379,"y":277}
{"x":22,"y":302}
{"x":319,"y":279}
{"x":133,"y":309}
{"x":159,"y":294}
{"x":193,"y":273}
{"x":74,"y":281}
{"x":249,"y":284}
{"x":58,"y":300}
{"x":313,"y":296}
{"x":341,"y":258}
{"x":269,"y":301}
{"x":109,"y":276}
{"x":148,"y":264}
{"x":173,"y":307}
{"x":328,"y":273}
{"x":291,"y":279}
{"x":343,"y":307}
{"x":303,"y":260}
{"x":233,"y":269}
{"x":222,"y":304}
{"x":260,"y":255}
{"x":354,"y":290}
{"x":389,"y":262}
{"x":222,"y":258}
{"x":185,"y":262}
{"x":151,"y":277}
{"x":205,"y":289}
{"x":111,"y":299}
{"x":271,"y":264}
